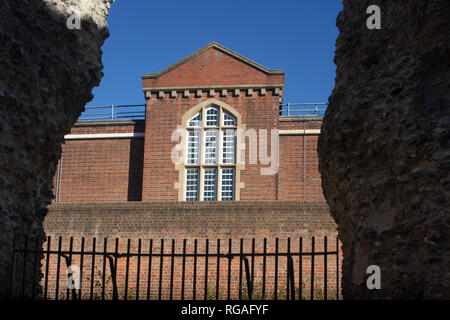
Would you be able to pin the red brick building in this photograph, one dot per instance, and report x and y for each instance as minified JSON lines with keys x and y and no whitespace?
{"x":214,"y":160}
{"x":218,"y":108}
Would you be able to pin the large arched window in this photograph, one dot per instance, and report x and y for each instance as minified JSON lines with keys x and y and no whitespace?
{"x":212,"y":153}
{"x":210,"y":168}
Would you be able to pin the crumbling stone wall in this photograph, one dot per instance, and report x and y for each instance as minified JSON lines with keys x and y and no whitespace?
{"x":47,"y":73}
{"x":385,"y":148}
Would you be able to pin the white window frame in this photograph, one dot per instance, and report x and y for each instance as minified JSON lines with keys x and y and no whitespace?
{"x":200,"y":147}
{"x":201,"y":123}
{"x":216,"y":179}
{"x":222,"y":147}
{"x":217,"y":147}
{"x":186,"y":183}
{"x":227,"y":125}
{"x":219,"y":111}
{"x":219,"y":165}
{"x":233,"y":184}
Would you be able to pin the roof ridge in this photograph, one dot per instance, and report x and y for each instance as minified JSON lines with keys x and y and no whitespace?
{"x":206,"y":48}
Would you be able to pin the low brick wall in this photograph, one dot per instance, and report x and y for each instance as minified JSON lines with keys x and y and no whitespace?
{"x":193,"y":221}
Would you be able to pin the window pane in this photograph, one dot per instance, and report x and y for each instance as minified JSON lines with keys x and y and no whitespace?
{"x":192,"y":184}
{"x":210,"y":184}
{"x":227,"y":188}
{"x":228,"y":147}
{"x":193,"y":147}
{"x":212,"y":117}
{"x":211,"y":146}
{"x":196,"y":121}
{"x":229,"y":120}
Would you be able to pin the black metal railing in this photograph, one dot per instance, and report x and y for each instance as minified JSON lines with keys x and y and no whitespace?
{"x":158,"y":272}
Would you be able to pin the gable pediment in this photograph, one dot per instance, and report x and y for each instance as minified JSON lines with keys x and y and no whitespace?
{"x":213,"y":65}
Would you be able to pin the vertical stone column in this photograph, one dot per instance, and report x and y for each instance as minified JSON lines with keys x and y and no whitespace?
{"x":385,"y":148}
{"x":47,"y":73}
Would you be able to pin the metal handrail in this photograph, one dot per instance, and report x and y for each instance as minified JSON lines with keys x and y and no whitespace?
{"x":114,"y":113}
{"x":302,"y":110}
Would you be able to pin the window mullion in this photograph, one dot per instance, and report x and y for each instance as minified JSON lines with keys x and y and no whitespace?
{"x":219,"y":147}
{"x":201,"y":156}
{"x":219,"y":183}
{"x":219,"y":156}
{"x":202,"y":173}
{"x":219,"y":168}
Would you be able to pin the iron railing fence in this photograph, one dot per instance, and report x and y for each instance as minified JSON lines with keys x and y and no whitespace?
{"x":178,"y":271}
{"x":109,"y":113}
{"x":303,"y":109}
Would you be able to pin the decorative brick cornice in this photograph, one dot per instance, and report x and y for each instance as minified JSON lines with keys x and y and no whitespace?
{"x":223,"y":90}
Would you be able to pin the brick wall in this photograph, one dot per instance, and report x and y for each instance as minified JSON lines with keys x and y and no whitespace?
{"x":299,"y":176}
{"x":109,"y":172}
{"x":299,"y":123}
{"x":213,"y":67}
{"x":192,"y":221}
{"x":142,"y":169}
{"x":164,"y":115}
{"x":210,"y":67}
{"x":101,"y":169}
{"x":112,"y":169}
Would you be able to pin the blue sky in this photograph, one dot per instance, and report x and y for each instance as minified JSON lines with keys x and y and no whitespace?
{"x":296,"y":36}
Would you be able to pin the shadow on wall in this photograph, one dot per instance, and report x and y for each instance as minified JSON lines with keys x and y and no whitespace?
{"x":136,"y":166}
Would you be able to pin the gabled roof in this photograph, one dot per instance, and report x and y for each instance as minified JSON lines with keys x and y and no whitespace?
{"x":219,"y":47}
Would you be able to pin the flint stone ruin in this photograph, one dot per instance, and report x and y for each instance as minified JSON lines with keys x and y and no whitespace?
{"x":385,"y":148}
{"x":47,"y":73}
